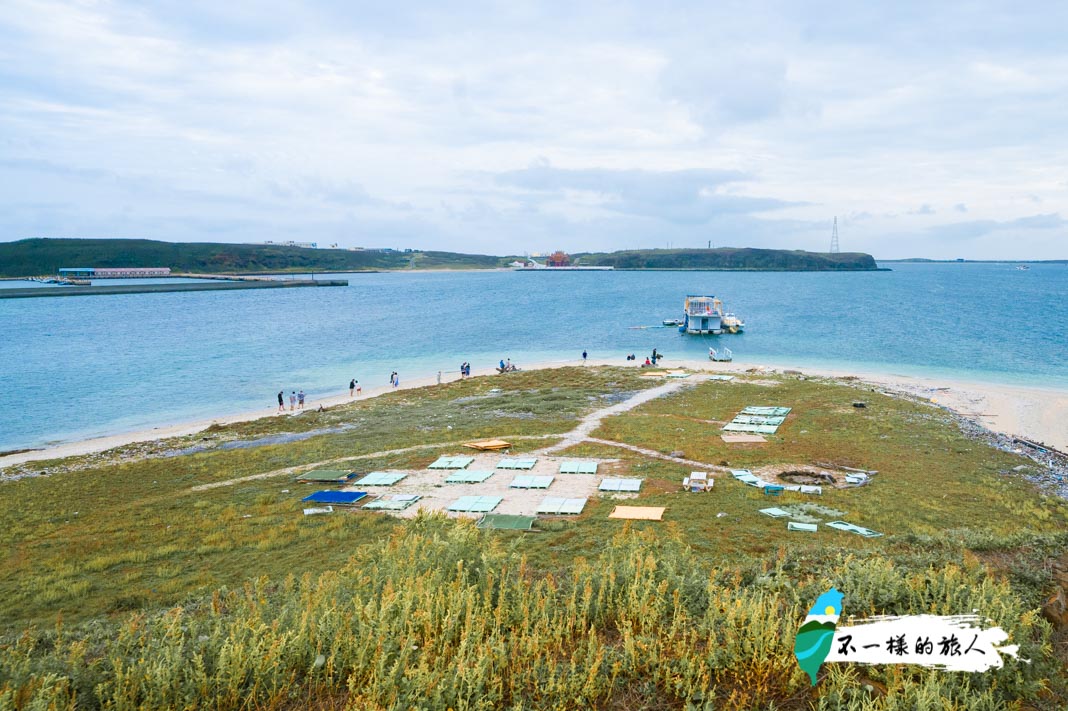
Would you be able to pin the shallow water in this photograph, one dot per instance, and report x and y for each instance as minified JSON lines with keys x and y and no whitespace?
{"x":73,"y":368}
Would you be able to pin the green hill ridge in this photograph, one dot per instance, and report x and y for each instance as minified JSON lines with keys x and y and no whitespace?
{"x":41,"y":256}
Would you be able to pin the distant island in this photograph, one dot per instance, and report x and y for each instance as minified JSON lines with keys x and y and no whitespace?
{"x":44,"y":256}
{"x":33,"y":257}
{"x":732,"y":258}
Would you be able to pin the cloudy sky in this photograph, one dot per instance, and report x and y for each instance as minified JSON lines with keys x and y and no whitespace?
{"x":930,"y":129}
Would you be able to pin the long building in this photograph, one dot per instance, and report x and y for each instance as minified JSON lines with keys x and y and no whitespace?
{"x":113,"y":272}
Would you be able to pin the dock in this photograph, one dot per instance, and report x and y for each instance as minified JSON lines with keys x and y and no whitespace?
{"x":214,"y":283}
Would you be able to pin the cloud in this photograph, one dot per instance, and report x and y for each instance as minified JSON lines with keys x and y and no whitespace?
{"x":978,"y":228}
{"x":418,"y":123}
{"x":727,"y":88}
{"x":684,"y":196}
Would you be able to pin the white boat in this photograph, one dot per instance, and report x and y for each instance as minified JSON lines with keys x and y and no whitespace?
{"x":704,"y":315}
{"x":673,"y":322}
{"x":732,"y":323}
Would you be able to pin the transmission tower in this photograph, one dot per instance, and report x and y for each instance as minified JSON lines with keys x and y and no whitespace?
{"x":834,"y":237}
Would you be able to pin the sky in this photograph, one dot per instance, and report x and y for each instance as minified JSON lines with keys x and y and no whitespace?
{"x":928,"y":129}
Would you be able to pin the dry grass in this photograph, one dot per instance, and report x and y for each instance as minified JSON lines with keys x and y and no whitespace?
{"x":227,"y":596}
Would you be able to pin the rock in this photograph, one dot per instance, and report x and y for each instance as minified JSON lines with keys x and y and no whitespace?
{"x":1056,"y":609}
{"x":677,"y":453}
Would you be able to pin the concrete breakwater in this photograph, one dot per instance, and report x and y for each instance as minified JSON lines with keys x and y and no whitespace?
{"x":214,"y":284}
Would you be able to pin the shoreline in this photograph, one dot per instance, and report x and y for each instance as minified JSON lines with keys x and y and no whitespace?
{"x":1034,"y":413}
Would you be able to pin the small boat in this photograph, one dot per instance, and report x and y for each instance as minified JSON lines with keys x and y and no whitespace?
{"x":673,"y":322}
{"x":1022,"y":267}
{"x":732,"y":323}
{"x":723,"y":355}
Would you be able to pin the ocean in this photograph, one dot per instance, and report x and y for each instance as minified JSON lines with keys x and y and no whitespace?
{"x":83,"y":367}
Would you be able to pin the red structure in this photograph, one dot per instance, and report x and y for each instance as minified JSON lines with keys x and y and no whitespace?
{"x":558,"y":259}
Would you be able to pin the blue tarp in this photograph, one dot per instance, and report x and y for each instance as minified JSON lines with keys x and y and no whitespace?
{"x":336,"y":497}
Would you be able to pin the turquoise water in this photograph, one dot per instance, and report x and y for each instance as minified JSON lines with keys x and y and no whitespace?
{"x":73,"y":368}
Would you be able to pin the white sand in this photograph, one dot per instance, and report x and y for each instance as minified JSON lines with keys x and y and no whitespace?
{"x":1039,"y":414}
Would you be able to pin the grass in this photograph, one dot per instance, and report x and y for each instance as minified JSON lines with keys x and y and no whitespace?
{"x":134,"y":533}
{"x":230,"y":594}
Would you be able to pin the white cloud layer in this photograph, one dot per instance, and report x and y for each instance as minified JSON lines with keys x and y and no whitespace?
{"x":929,"y":130}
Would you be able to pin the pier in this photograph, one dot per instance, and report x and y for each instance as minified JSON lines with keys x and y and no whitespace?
{"x":213,"y":282}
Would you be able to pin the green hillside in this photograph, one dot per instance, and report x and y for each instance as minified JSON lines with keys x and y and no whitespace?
{"x":30,"y":257}
{"x":730,"y":258}
{"x":34,"y":257}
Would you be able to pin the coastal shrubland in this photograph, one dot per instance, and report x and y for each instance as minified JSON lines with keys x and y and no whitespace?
{"x":437,"y":615}
{"x":144,"y":580}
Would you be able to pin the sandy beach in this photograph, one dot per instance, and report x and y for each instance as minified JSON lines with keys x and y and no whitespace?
{"x":1037,"y":414}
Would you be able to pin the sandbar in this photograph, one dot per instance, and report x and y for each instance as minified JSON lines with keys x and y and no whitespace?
{"x":1037,"y":414}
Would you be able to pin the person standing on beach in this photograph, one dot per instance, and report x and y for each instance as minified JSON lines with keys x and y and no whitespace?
{"x":396,"y":380}
{"x":584,"y":356}
{"x":281,"y":401}
{"x":300,"y":399}
{"x":352,"y":386}
{"x":292,"y":400}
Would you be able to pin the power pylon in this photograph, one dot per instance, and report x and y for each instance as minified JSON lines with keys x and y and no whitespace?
{"x":834,"y":237}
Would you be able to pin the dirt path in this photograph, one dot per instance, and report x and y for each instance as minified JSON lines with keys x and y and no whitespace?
{"x":581,"y":433}
{"x":703,"y":466}
{"x":593,"y":420}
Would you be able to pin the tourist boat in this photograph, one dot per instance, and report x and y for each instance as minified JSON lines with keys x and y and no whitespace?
{"x":704,"y":315}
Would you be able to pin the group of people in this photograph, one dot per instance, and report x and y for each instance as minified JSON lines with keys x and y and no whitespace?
{"x":296,"y":400}
{"x":650,"y":361}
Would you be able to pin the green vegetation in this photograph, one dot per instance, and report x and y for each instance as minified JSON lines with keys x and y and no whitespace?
{"x":731,"y":258}
{"x":127,"y":586}
{"x":33,"y":257}
{"x":38,"y":257}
